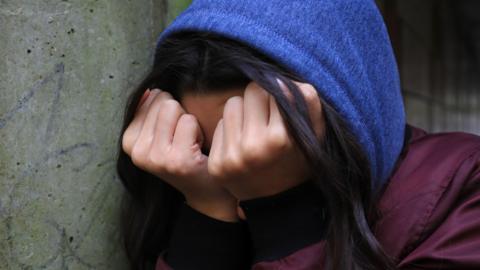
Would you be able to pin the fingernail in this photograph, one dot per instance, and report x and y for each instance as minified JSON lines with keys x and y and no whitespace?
{"x":280,"y":83}
{"x":285,"y":90}
{"x":143,"y":98}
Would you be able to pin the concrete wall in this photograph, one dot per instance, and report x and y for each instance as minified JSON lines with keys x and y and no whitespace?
{"x":66,"y":69}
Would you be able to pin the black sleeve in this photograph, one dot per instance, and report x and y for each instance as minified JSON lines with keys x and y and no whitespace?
{"x":284,"y":223}
{"x":201,"y":242}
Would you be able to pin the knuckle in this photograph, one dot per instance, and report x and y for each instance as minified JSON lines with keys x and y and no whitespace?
{"x":233,"y":101}
{"x":171,"y":104}
{"x":252,"y":152}
{"x":165,"y":95}
{"x":232,"y":105}
{"x":215,"y":169}
{"x":309,"y":92}
{"x":233,"y":163}
{"x":138,"y":157}
{"x":169,"y":107}
{"x":156,"y":160}
{"x":253,"y":86}
{"x":278,"y":141}
{"x":155,"y":104}
{"x":127,"y":143}
{"x":161,"y":95}
{"x":172,"y":166}
{"x":187,"y":119}
{"x":176,"y":166}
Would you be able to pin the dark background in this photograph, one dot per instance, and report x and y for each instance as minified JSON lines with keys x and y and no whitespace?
{"x":437,"y":44}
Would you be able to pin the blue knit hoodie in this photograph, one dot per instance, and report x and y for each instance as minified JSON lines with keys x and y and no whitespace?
{"x":339,"y":46}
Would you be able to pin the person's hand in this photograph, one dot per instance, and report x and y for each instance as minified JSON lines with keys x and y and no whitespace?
{"x":165,"y":141}
{"x":252,"y":153}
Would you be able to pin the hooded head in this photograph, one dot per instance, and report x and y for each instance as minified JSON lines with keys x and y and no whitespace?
{"x":339,"y":46}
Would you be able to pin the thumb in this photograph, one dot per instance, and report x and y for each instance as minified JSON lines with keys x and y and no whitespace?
{"x":215,"y":155}
{"x":187,"y":132}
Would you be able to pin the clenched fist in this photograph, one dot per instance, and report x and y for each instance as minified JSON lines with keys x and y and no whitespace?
{"x":166,"y":141}
{"x":252,"y":153}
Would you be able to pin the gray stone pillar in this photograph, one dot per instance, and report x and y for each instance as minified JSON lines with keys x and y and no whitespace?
{"x":66,"y":70}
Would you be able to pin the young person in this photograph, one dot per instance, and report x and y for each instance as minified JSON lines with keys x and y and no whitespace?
{"x":271,"y":135}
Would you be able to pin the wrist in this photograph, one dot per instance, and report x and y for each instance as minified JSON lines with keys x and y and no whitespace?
{"x":223,"y":210}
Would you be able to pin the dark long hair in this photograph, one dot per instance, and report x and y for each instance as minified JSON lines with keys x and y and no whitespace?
{"x":200,"y":61}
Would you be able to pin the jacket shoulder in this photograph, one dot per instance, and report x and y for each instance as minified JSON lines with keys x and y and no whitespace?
{"x":455,"y":144}
{"x":431,"y":174}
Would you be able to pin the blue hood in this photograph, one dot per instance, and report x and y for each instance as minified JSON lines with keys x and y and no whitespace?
{"x":339,"y":46}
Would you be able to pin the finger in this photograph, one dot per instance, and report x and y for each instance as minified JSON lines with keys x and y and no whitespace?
{"x":276,"y":121}
{"x":215,"y":155}
{"x":147,"y":133}
{"x":255,"y":109}
{"x":135,"y":127}
{"x":187,"y":133}
{"x":217,"y":140}
{"x":232,"y":121}
{"x":166,"y":122}
{"x":143,"y":98}
{"x":314,"y":105}
{"x":285,"y":91}
{"x":143,"y":109}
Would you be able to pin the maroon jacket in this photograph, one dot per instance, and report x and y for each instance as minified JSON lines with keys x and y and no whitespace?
{"x":430,"y":218}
